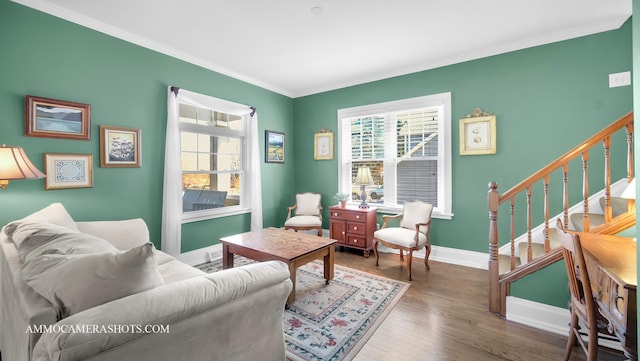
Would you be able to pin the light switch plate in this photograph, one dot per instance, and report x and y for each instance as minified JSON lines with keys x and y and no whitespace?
{"x":619,"y":79}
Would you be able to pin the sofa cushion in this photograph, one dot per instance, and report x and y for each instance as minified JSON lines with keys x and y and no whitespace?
{"x":33,"y":239}
{"x":174,"y":271}
{"x":54,"y":214}
{"x":123,"y":234}
{"x":76,"y":282}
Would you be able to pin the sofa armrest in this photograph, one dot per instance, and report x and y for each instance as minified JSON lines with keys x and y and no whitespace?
{"x":123,"y":234}
{"x":20,"y":307}
{"x":233,"y":304}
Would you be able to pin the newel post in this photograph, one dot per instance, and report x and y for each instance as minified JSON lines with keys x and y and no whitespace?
{"x":494,"y":287}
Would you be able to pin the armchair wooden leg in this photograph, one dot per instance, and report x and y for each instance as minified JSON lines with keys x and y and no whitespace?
{"x":320,"y":232}
{"x":401,"y":255}
{"x":409,"y":259}
{"x":375,"y":250}
{"x":426,"y":256}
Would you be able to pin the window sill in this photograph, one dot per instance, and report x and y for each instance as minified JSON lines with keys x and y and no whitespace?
{"x":198,"y":216}
{"x":396,"y":210}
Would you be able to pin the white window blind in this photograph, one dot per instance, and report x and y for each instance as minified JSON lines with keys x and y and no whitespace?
{"x":406,"y":144}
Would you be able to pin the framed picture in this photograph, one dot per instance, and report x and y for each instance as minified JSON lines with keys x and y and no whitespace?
{"x":274,"y":147}
{"x":120,"y":147}
{"x":68,"y":171}
{"x":51,"y":118}
{"x":323,"y":146}
{"x":478,"y":135}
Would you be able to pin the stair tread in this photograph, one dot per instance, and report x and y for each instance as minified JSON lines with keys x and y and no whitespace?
{"x":618,"y":205}
{"x":504,"y":263}
{"x":577,"y":220}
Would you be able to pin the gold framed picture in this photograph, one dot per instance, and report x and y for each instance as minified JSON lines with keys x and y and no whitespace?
{"x":478,"y":135}
{"x":68,"y":171}
{"x":323,"y":146}
{"x":120,"y":147}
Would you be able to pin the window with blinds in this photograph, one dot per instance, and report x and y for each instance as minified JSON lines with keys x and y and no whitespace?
{"x":406,"y":147}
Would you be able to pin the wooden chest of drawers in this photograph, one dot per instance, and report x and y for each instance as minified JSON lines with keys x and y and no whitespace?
{"x":353,"y":227}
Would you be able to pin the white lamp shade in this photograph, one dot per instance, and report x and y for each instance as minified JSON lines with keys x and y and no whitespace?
{"x":14,"y":164}
{"x":364,"y":177}
{"x":630,"y":191}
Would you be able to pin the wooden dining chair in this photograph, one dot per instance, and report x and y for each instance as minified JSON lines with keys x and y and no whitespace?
{"x":587,"y":326}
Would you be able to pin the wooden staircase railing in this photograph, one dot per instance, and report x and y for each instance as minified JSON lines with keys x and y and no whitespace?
{"x":500,"y":284}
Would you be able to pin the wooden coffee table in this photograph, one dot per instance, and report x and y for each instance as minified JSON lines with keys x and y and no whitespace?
{"x":293,"y":248}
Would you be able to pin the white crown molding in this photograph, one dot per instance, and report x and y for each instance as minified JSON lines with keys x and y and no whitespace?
{"x":471,"y":54}
{"x":116,"y":32}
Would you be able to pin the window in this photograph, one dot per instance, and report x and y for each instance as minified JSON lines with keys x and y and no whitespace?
{"x":407,"y":146}
{"x":212,"y":154}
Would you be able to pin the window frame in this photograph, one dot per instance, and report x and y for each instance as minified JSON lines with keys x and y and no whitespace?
{"x":441,"y":100}
{"x":244,"y":205}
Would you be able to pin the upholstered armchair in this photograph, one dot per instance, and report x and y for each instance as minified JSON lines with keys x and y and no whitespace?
{"x":412,"y":233}
{"x":306,"y":214}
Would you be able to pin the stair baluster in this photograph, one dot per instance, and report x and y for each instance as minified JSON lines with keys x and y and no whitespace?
{"x":586,"y":223}
{"x":500,"y":284}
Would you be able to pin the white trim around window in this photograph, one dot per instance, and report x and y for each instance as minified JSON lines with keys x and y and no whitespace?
{"x":438,"y":102}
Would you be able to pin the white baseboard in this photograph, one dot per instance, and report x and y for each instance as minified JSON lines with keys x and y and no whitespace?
{"x":201,"y":255}
{"x":545,"y":317}
{"x":459,"y":257}
{"x":538,"y":315}
{"x":455,"y":256}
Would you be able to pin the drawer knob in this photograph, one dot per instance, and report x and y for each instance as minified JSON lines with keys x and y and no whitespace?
{"x":355,"y":228}
{"x":342,"y":232}
{"x":335,"y":214}
{"x":358,"y":217}
{"x":355,"y":241}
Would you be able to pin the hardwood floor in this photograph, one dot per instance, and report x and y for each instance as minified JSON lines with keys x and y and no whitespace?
{"x":444,"y":317}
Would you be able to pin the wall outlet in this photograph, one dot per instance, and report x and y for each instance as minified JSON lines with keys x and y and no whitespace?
{"x":213,"y":255}
{"x":619,"y":79}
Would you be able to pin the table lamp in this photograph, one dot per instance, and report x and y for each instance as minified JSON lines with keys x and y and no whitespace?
{"x":14,"y":164}
{"x":364,"y":179}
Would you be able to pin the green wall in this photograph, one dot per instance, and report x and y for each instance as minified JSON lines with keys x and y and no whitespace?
{"x":547,"y":99}
{"x":126,"y":85}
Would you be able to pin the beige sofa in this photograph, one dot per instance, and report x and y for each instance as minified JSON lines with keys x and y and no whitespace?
{"x":67,"y":296}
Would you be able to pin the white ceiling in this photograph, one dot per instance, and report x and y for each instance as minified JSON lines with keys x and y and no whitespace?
{"x":283,"y":46}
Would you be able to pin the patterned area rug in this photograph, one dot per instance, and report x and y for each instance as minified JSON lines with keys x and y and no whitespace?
{"x":334,"y":321}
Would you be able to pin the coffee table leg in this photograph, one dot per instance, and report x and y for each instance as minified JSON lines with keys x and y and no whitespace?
{"x":328,"y":264}
{"x":227,"y":257}
{"x":292,"y":275}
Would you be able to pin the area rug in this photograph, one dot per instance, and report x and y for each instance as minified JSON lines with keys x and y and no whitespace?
{"x":334,"y":321}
